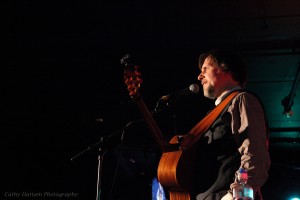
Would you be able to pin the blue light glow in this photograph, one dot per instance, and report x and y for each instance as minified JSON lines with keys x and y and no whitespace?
{"x":294,"y":198}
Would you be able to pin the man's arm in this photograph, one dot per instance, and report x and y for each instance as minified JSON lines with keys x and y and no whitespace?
{"x":249,"y":128}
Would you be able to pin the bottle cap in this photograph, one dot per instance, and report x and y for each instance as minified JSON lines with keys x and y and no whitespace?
{"x":242,"y":174}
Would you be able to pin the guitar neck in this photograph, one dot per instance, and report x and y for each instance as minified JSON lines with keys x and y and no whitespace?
{"x":164,"y":146}
{"x":133,"y":80}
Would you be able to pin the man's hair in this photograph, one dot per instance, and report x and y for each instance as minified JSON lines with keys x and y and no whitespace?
{"x":229,"y":61}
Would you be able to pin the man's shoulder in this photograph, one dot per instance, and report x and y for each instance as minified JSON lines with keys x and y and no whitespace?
{"x":248,"y":96}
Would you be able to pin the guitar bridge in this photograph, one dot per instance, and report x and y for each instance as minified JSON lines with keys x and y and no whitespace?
{"x":180,"y":138}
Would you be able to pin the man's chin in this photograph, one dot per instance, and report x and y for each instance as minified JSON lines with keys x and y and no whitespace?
{"x":209,"y":95}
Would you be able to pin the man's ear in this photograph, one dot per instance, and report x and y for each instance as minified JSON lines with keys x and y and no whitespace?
{"x":224,"y":67}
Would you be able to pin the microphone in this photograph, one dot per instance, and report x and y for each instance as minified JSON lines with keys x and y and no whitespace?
{"x":192,"y":89}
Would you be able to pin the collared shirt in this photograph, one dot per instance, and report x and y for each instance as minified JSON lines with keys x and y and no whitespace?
{"x":249,"y":130}
{"x":220,"y":98}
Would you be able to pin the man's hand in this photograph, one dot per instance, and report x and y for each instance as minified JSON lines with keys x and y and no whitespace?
{"x":228,"y":196}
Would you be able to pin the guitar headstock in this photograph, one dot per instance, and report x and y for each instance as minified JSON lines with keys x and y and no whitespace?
{"x":132,"y":77}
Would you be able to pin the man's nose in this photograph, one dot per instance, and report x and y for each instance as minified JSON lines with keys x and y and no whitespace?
{"x":200,"y":77}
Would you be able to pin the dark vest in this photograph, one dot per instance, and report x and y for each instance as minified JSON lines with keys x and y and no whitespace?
{"x":218,"y":161}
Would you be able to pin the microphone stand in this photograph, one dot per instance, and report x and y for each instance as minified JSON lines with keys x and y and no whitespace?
{"x":170,"y":103}
{"x":101,"y":154}
{"x":102,"y":151}
{"x":100,"y":159}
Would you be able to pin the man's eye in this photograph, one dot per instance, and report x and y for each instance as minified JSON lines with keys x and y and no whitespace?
{"x":204,"y":69}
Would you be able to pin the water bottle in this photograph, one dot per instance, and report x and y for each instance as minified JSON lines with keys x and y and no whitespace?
{"x":242,"y":191}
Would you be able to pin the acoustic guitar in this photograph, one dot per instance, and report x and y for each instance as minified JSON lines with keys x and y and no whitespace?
{"x":175,"y":169}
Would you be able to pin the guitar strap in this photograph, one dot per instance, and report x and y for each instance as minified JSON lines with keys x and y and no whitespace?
{"x":197,"y":131}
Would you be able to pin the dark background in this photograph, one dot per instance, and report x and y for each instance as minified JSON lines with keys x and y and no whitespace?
{"x":63,"y":87}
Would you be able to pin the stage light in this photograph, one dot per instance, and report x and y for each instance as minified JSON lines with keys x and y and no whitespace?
{"x":288,"y":101}
{"x":294,"y":198}
{"x":158,"y":192}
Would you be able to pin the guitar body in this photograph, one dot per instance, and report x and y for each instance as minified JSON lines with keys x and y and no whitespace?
{"x":175,"y":172}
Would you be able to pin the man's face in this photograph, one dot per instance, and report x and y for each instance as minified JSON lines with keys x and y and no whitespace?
{"x":213,"y":78}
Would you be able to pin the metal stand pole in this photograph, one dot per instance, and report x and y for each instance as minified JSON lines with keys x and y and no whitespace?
{"x":100,"y":163}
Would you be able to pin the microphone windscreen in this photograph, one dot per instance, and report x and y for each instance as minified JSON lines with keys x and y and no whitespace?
{"x":194,"y":88}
